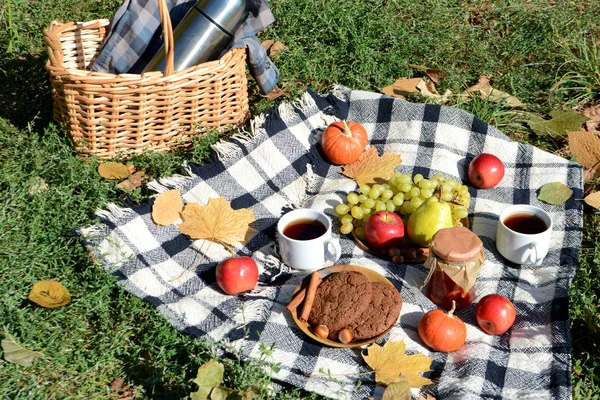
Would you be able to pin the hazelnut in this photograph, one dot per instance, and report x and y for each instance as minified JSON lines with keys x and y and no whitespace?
{"x":345,"y":336}
{"x":394,"y":251}
{"x":398,"y":259}
{"x":321,"y":331}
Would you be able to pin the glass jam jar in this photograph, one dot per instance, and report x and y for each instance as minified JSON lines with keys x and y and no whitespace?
{"x":455,"y":256}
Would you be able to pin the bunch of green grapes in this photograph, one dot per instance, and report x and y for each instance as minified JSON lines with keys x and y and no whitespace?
{"x":401,"y":194}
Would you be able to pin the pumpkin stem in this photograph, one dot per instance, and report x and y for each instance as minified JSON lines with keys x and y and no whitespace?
{"x":451,"y":312}
{"x":346,"y":131}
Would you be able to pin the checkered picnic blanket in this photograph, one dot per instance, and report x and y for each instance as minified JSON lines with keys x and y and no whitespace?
{"x":279,"y":166}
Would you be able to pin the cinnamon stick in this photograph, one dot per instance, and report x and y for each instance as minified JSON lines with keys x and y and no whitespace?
{"x":296,"y":300}
{"x":315,"y":280}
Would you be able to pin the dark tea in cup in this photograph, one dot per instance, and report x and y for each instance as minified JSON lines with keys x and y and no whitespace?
{"x":304,"y":229}
{"x":526,"y":223}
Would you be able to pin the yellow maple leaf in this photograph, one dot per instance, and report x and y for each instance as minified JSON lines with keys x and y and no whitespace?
{"x":216,"y":221}
{"x":391,"y":364}
{"x":166,"y":207}
{"x":114,"y":170}
{"x":397,"y":391}
{"x":370,"y":167}
{"x":49,"y":294}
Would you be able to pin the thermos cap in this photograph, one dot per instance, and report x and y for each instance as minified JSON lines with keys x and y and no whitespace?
{"x":228,"y":14}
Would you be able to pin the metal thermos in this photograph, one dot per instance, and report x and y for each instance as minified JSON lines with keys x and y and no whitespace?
{"x":205,"y":31}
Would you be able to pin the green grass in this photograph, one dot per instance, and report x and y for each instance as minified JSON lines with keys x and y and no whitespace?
{"x":543,"y":52}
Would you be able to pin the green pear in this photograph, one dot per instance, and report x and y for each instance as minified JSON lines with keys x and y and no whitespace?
{"x":431,"y":216}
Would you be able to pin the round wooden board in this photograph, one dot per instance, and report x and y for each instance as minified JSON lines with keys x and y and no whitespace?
{"x":371,"y":275}
{"x":406,"y":244}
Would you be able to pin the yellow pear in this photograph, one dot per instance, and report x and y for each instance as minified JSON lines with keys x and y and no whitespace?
{"x":431,"y":216}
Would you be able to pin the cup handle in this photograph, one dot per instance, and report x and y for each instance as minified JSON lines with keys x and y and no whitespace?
{"x":337,"y":250}
{"x":533,"y":252}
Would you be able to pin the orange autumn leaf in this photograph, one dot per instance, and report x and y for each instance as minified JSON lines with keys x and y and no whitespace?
{"x":114,"y":170}
{"x":585,"y":146}
{"x":370,"y":167}
{"x":216,"y":221}
{"x":391,"y":364}
{"x":49,"y":294}
{"x":166,"y":207}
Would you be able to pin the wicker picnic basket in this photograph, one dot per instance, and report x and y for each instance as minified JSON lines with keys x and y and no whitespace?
{"x":108,"y":114}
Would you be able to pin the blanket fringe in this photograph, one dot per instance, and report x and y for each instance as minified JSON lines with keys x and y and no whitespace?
{"x":254,"y":309}
{"x":172,"y":182}
{"x":113,"y":212}
{"x":341,"y":92}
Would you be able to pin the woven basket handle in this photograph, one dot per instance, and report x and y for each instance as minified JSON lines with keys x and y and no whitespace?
{"x":167,"y":28}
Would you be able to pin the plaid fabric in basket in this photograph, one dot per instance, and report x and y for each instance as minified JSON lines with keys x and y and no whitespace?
{"x":136,"y":35}
{"x":280,"y":167}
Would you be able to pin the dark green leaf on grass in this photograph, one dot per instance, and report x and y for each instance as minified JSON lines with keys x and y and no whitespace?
{"x":210,"y":375}
{"x":555,"y":193}
{"x":562,"y":122}
{"x":17,"y":354}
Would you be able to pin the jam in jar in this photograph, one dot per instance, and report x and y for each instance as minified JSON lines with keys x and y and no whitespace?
{"x":455,"y":256}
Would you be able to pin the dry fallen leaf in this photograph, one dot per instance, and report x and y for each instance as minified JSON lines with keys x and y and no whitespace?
{"x":267,"y":44}
{"x":216,"y":221}
{"x":17,"y":354}
{"x":117,"y":385}
{"x":275,"y":93}
{"x":593,"y":126}
{"x":555,"y":193}
{"x":406,"y":86}
{"x":114,"y":170}
{"x":592,"y":113}
{"x":49,"y":294}
{"x":585,"y":146}
{"x":389,"y":91}
{"x":593,"y":199}
{"x":434,"y":74}
{"x":391,"y":362}
{"x":428,"y":90}
{"x":370,"y":167}
{"x":590,"y":173}
{"x":276,"y":48}
{"x":166,"y":207}
{"x":486,"y":90}
{"x":133,"y":181}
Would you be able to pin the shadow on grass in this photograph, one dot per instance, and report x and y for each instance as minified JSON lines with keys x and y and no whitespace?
{"x":25,"y":91}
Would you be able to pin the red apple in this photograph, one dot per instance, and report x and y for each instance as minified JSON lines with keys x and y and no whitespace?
{"x":237,"y":274}
{"x":485,"y":171}
{"x":384,"y":229}
{"x":495,"y":314}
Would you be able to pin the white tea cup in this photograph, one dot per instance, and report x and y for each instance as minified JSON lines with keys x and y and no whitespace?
{"x":523,"y":234}
{"x":305,"y":240}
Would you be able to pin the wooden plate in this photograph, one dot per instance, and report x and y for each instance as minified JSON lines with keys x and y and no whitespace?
{"x":421,"y":252}
{"x":371,"y":275}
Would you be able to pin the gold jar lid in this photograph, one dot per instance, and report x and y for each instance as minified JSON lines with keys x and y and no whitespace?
{"x":456,"y":244}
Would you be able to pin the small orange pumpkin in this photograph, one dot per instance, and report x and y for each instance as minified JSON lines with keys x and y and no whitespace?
{"x":441,"y":331}
{"x":343,"y":142}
